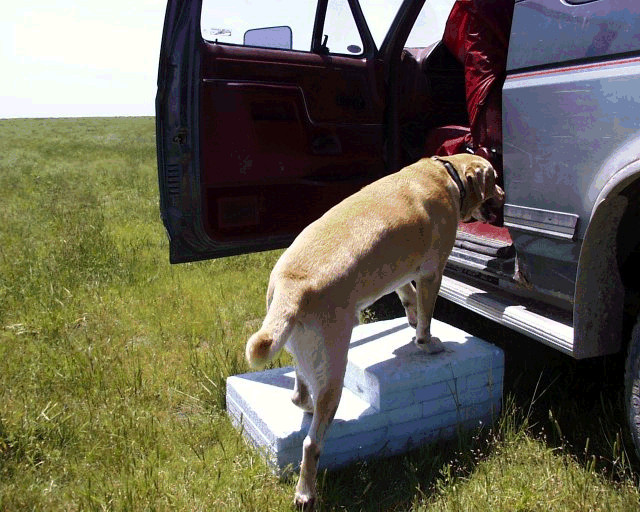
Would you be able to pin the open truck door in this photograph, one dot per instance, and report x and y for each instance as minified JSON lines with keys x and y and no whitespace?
{"x":261,"y":129}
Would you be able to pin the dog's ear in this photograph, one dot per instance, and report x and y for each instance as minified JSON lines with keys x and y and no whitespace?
{"x":477,"y":179}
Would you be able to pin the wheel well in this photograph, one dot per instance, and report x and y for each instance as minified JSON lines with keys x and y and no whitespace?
{"x":628,"y":255}
{"x":599,"y":297}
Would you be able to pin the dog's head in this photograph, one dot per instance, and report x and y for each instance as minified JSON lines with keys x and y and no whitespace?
{"x":482,"y":191}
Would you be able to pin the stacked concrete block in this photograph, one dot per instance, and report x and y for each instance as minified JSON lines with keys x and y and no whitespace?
{"x":395,"y":397}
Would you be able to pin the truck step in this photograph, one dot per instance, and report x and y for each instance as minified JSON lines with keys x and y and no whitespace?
{"x":551,"y":327}
{"x":483,"y":255}
{"x":481,"y":263}
{"x":489,"y":246}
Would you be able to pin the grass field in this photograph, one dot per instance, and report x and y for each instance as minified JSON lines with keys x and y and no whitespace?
{"x":113,"y":364}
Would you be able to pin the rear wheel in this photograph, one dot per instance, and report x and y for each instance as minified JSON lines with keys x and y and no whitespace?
{"x":632,"y":387}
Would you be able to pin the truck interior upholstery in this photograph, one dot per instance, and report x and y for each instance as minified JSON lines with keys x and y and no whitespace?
{"x":461,"y":78}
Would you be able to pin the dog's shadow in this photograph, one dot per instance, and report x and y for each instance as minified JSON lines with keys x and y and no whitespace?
{"x":411,"y":350}
{"x":376,"y":335}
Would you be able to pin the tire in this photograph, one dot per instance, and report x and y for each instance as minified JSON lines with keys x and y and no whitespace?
{"x":632,"y":387}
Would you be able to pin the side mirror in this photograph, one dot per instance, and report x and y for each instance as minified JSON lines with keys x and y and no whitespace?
{"x":270,"y":37}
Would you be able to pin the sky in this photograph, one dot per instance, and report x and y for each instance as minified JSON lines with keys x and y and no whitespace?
{"x":100,"y":58}
{"x":79,"y":58}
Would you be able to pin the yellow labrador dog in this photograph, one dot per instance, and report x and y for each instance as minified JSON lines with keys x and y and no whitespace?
{"x":396,"y":230}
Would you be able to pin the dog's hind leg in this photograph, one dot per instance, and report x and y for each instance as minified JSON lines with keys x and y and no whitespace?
{"x":324,"y":367}
{"x":323,"y":413}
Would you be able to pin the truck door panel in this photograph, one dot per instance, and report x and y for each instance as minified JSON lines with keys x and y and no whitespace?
{"x":255,"y":143}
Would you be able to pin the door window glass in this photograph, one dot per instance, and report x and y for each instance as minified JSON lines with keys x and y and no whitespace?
{"x":427,"y":29}
{"x":379,"y":15}
{"x":430,"y":23}
{"x":284,"y":24}
{"x":341,"y":30}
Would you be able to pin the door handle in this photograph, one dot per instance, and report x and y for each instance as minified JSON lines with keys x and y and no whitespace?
{"x":326,"y":145}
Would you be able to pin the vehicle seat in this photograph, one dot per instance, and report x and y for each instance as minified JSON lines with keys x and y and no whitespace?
{"x":477,"y":34}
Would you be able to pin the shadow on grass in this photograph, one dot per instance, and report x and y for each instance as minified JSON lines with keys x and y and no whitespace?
{"x":395,"y":483}
{"x":573,"y":407}
{"x":576,"y":406}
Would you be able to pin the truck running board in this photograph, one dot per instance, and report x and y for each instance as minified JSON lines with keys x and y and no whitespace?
{"x":508,"y":310}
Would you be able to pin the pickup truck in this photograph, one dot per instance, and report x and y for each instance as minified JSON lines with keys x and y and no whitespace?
{"x":270,"y":113}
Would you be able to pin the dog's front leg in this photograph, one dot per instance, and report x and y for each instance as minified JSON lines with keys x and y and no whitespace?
{"x":427,"y":291}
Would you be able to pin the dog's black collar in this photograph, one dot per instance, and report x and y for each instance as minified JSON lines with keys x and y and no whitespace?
{"x":454,"y":175}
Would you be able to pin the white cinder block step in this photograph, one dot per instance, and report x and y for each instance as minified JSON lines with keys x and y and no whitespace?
{"x":259,"y":403}
{"x":389,"y":371}
{"x":395,"y":397}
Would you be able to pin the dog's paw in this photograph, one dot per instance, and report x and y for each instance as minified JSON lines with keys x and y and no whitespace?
{"x":304,"y":501}
{"x":431,"y":345}
{"x":306,"y":405}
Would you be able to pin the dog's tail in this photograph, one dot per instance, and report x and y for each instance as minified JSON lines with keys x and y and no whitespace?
{"x":267,"y":343}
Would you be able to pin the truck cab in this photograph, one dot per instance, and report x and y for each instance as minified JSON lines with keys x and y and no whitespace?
{"x":268,"y":116}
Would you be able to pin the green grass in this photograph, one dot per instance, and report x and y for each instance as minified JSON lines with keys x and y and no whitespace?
{"x":113,"y":364}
